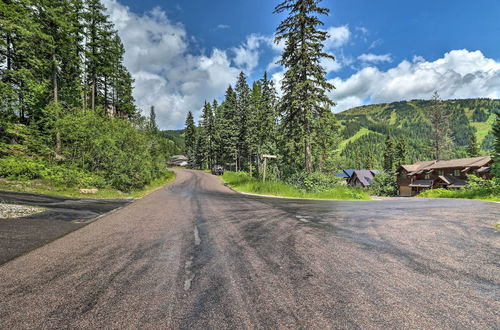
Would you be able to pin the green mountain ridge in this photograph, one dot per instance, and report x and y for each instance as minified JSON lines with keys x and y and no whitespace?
{"x":365,"y":129}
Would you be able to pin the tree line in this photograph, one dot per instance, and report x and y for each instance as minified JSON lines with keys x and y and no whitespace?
{"x":298,"y":127}
{"x":66,"y":99}
{"x":61,"y":51}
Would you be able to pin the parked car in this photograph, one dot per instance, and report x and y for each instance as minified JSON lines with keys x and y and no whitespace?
{"x":217,"y":170}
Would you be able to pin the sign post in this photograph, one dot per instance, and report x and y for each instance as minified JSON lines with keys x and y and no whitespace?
{"x":265,"y":165}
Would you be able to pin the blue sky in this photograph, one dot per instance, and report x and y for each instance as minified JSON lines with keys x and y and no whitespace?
{"x":181,"y":52}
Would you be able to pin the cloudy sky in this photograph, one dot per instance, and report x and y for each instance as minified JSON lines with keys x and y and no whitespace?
{"x":183,"y":52}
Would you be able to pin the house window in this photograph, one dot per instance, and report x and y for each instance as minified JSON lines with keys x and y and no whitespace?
{"x":427,"y":176}
{"x":456,"y":172}
{"x":441,"y":172}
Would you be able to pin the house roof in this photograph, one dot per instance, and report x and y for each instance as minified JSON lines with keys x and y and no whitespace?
{"x":342,"y":175}
{"x":364,"y":176}
{"x":349,"y":172}
{"x":474,"y":162}
{"x":484,"y":169}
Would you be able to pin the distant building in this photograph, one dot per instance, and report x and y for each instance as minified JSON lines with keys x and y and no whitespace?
{"x":362,"y":178}
{"x":450,"y":174}
{"x":178,"y":160}
{"x":345,"y":174}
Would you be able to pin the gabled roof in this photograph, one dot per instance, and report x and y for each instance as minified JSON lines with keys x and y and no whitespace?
{"x":474,"y":162}
{"x":364,"y":176}
{"x":463,"y":162}
{"x":349,"y":172}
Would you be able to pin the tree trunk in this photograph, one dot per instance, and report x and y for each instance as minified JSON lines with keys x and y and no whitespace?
{"x":56,"y":101}
{"x":92,"y":96}
{"x":307,"y":145}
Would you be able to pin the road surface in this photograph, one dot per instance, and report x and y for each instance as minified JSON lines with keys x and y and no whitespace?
{"x":196,"y":255}
{"x":62,"y":215}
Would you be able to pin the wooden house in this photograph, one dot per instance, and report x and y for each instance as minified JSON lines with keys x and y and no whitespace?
{"x":362,"y":178}
{"x":451,"y":174}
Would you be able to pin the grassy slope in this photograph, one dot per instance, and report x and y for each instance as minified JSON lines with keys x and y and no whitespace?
{"x":360,"y":133}
{"x":244,"y":183}
{"x":41,"y":187}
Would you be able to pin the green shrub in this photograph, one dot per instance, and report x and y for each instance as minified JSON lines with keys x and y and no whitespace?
{"x":476,"y":188}
{"x":127,"y":157}
{"x":314,"y":182}
{"x":20,"y":168}
{"x":242,"y":181}
{"x":24,"y":168}
{"x":384,"y":184}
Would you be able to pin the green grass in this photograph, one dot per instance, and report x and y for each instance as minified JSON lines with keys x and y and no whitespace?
{"x":243,"y":183}
{"x":360,"y":133}
{"x":461,"y":193}
{"x":482,"y":129}
{"x":44,"y":187}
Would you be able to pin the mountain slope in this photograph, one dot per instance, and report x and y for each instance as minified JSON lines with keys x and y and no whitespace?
{"x":408,"y":120}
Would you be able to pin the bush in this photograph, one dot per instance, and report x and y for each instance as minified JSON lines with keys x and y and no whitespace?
{"x":241,"y":181}
{"x":384,"y":184}
{"x":24,"y":168}
{"x":127,"y":157}
{"x":314,"y":182}
{"x":476,"y":188}
{"x":20,"y":168}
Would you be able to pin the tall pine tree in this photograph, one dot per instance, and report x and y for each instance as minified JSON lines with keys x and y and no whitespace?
{"x":304,"y":84}
{"x":190,"y":136}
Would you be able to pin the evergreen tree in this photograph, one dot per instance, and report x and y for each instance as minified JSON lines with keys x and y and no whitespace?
{"x":153,"y":127}
{"x":401,"y":154}
{"x":199,"y":151}
{"x":304,"y":84}
{"x":190,"y":136}
{"x":473,"y":147}
{"x":440,"y":128}
{"x":24,"y":84}
{"x":207,"y":136}
{"x":389,"y":155}
{"x":325,"y":142}
{"x":267,"y":117}
{"x":496,"y":155}
{"x":254,"y":124}
{"x":228,"y":128}
{"x":242,"y":108}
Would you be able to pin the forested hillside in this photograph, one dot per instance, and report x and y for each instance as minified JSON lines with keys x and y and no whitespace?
{"x":365,"y":129}
{"x":67,"y":115}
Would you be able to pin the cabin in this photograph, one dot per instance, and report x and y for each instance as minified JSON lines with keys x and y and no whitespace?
{"x":345,"y":174}
{"x":450,"y":174}
{"x":362,"y":178}
{"x":178,"y":160}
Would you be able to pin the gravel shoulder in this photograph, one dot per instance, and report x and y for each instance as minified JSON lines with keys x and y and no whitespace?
{"x":12,"y":211}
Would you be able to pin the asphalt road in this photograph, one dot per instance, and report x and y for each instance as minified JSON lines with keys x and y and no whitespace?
{"x":196,"y":255}
{"x":62,"y":215}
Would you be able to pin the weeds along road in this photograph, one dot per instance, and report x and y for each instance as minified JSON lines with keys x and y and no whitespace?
{"x":196,"y":255}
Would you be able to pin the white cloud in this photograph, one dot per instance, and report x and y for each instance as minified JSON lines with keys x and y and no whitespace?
{"x":247,"y":55}
{"x":222,"y":27}
{"x":338,"y":37}
{"x":372,"y":58}
{"x":166,"y":74}
{"x":458,"y":74}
